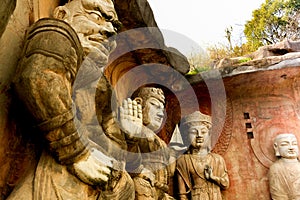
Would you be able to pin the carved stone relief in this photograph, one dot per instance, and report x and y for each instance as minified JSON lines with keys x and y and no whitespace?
{"x":141,"y":118}
{"x":69,"y":167}
{"x":284,"y":173}
{"x":201,"y":174}
{"x":270,"y":118}
{"x":223,"y":140}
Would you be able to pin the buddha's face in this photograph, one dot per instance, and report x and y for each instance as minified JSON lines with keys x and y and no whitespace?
{"x":154,"y":113}
{"x":94,"y":21}
{"x":286,"y":146}
{"x":198,"y":135}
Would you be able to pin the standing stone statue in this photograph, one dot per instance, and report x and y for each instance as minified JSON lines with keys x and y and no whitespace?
{"x":69,"y":167}
{"x":141,"y":119}
{"x":201,"y":174}
{"x":284,"y":174}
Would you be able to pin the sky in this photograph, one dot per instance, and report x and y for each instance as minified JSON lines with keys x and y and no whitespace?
{"x":192,"y":25}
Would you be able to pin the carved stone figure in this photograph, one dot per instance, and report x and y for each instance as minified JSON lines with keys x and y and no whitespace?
{"x":284,"y":174}
{"x":201,"y":174}
{"x":141,"y":119}
{"x":71,"y":167}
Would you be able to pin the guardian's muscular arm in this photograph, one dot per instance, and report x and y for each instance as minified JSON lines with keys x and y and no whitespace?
{"x":44,"y":84}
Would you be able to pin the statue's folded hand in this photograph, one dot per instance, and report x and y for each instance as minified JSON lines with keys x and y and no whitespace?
{"x":208,"y":172}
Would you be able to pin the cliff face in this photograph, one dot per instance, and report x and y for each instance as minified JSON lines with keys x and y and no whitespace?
{"x":12,"y":149}
{"x":249,"y":102}
{"x":261,"y":100}
{"x":6,"y":10}
{"x":140,"y":42}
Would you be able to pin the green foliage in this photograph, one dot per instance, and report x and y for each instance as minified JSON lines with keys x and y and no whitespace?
{"x":198,"y":70}
{"x":274,"y":21}
{"x":243,"y":60}
{"x":242,"y":50}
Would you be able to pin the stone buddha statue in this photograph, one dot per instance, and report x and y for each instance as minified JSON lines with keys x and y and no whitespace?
{"x":141,"y":118}
{"x":201,"y":174}
{"x":284,"y":174}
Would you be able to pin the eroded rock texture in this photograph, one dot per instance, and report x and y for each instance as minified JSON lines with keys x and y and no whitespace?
{"x":6,"y":10}
{"x":250,"y":102}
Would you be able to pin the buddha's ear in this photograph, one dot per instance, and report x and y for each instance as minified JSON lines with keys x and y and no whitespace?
{"x":61,"y":12}
{"x":277,"y":154}
{"x":139,"y":100}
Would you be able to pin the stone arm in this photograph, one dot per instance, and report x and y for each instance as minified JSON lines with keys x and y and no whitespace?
{"x":126,"y":146}
{"x":46,"y":93}
{"x":134,"y":161}
{"x":43,"y":83}
{"x":183,"y":178}
{"x":222,"y":181}
{"x":219,"y":175}
{"x":107,"y":119}
{"x":131,"y":122}
{"x":183,"y":190}
{"x":134,"y":158}
{"x":278,"y":183}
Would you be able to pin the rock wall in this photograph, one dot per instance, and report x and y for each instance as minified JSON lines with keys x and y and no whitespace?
{"x":7,"y":8}
{"x":10,"y":49}
{"x":17,"y":153}
{"x":262,"y":100}
{"x":250,"y":103}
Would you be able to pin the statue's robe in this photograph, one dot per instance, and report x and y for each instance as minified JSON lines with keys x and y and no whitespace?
{"x":284,"y":180}
{"x":152,"y":153}
{"x":191,"y":181}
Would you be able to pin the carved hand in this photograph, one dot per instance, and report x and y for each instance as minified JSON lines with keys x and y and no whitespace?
{"x":168,"y":197}
{"x":94,"y":169}
{"x":131,"y":118}
{"x":208,"y":172}
{"x":148,"y":174}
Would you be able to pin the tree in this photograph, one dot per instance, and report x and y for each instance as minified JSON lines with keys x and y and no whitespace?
{"x":228,"y":32}
{"x":274,"y":21}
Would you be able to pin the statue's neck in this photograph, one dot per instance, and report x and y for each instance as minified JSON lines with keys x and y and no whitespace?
{"x":200,"y":152}
{"x":289,"y":160}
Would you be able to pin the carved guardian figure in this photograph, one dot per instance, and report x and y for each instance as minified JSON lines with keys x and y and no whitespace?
{"x":69,"y":167}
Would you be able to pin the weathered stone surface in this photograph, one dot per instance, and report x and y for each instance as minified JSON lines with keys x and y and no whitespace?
{"x":141,"y":119}
{"x":261,"y":103}
{"x":264,"y":56}
{"x":250,"y":102}
{"x":201,"y":174}
{"x":224,"y":62}
{"x":44,"y":8}
{"x":281,"y":48}
{"x":72,"y":161}
{"x":284,"y":173}
{"x":15,"y":150}
{"x":141,"y":35}
{"x":140,"y":43}
{"x":6,"y":9}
